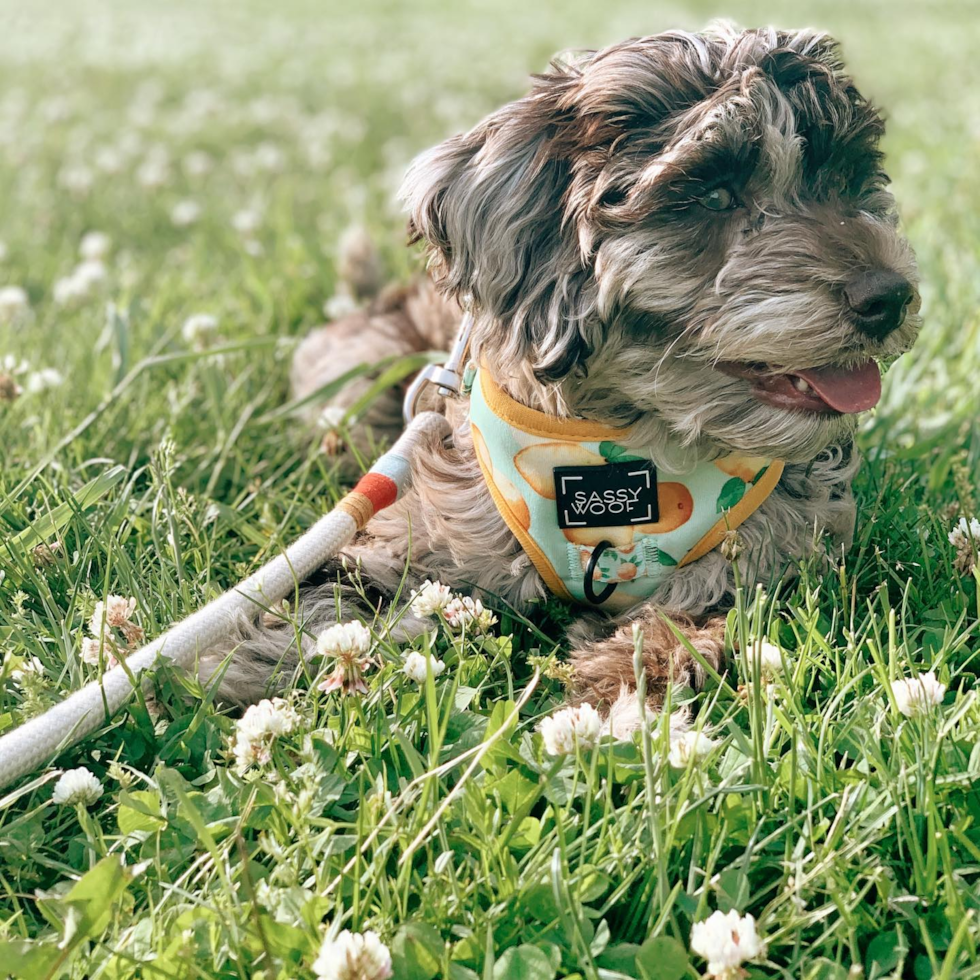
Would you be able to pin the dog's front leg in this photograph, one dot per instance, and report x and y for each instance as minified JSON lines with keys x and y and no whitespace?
{"x":604,"y":671}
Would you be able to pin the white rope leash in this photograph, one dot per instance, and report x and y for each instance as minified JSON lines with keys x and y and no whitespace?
{"x":30,"y":746}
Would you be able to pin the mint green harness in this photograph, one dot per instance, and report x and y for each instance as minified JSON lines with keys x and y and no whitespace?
{"x":519,"y":450}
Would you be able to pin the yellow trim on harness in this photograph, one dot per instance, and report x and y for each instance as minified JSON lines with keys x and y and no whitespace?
{"x":536,"y":423}
{"x":537,"y":556}
{"x":753,"y":499}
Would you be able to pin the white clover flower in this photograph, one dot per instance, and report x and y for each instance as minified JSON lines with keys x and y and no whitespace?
{"x":76,"y":178}
{"x":339,"y":305}
{"x":109,"y":160}
{"x":44,"y":554}
{"x":415,"y":666}
{"x":93,"y":651}
{"x":464,"y":612}
{"x":185,"y":213}
{"x":732,"y":546}
{"x":68,"y":290}
{"x":31,"y":667}
{"x":917,"y":695}
{"x":768,"y":657}
{"x":13,"y":302}
{"x":44,"y":379}
{"x":197,"y":163}
{"x":331,"y":423}
{"x":77,"y":786}
{"x":344,"y":639}
{"x":353,"y":956}
{"x":348,"y":644}
{"x":114,"y":610}
{"x":246,"y":222}
{"x":727,"y":940}
{"x":55,"y":109}
{"x":625,"y":718}
{"x":317,"y":150}
{"x":270,"y":158}
{"x":10,"y":390}
{"x":94,"y":245}
{"x":81,"y":283}
{"x":965,"y":529}
{"x":430,"y":598}
{"x":199,"y":329}
{"x":243,"y":163}
{"x":965,"y":538}
{"x":259,"y":727}
{"x":332,"y":417}
{"x":130,"y":143}
{"x":269,"y":717}
{"x":689,"y":746}
{"x":9,"y":364}
{"x":91,"y":272}
{"x":569,"y":727}
{"x":153,"y":173}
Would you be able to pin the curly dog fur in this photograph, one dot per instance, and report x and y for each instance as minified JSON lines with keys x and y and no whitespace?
{"x":648,"y":216}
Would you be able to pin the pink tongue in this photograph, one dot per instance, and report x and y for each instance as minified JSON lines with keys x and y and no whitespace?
{"x":847,"y":390}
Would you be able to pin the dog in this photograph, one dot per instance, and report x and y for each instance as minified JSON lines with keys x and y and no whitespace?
{"x":685,"y":239}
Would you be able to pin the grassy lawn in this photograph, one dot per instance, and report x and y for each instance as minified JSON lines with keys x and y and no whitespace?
{"x":222,"y":149}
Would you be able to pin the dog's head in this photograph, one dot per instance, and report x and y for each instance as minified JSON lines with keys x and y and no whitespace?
{"x":686,"y":230}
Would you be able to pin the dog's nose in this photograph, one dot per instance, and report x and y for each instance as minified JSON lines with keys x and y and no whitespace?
{"x":878,"y":301}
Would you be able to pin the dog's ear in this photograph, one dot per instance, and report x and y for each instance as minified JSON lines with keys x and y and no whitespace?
{"x":490,"y":204}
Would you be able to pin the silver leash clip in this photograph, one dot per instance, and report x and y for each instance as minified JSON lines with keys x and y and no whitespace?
{"x":448,"y":377}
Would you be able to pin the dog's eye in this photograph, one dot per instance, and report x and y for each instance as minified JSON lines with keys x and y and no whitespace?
{"x":719,"y":199}
{"x":612,"y":197}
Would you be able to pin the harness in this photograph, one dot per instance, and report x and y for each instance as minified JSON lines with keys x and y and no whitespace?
{"x":598,"y":519}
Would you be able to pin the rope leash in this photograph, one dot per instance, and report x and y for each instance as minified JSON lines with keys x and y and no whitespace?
{"x":30,"y":746}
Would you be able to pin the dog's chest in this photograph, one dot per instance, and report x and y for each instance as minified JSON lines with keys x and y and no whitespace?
{"x":599,"y":522}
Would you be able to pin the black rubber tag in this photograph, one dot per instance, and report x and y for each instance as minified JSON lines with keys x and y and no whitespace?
{"x":613,"y":495}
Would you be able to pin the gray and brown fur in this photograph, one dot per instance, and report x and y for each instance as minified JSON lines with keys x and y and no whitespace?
{"x":603,"y":290}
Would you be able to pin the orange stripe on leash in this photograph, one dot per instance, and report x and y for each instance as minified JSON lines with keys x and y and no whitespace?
{"x":381,"y":490}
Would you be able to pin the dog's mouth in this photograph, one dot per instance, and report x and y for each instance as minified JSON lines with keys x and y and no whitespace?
{"x":826,"y":390}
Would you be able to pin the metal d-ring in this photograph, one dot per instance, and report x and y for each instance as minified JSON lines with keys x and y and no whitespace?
{"x":590,"y":570}
{"x":447,"y":378}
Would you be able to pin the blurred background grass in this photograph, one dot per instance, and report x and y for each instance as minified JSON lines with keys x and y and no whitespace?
{"x":306,"y":114}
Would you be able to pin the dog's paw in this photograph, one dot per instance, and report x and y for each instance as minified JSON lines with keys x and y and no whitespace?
{"x":709,"y":641}
{"x":603,"y":668}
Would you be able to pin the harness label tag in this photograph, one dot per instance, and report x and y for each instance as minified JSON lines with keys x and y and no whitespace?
{"x":613,"y":495}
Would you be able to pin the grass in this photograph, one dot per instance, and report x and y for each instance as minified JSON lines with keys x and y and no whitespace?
{"x":432,"y":814}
